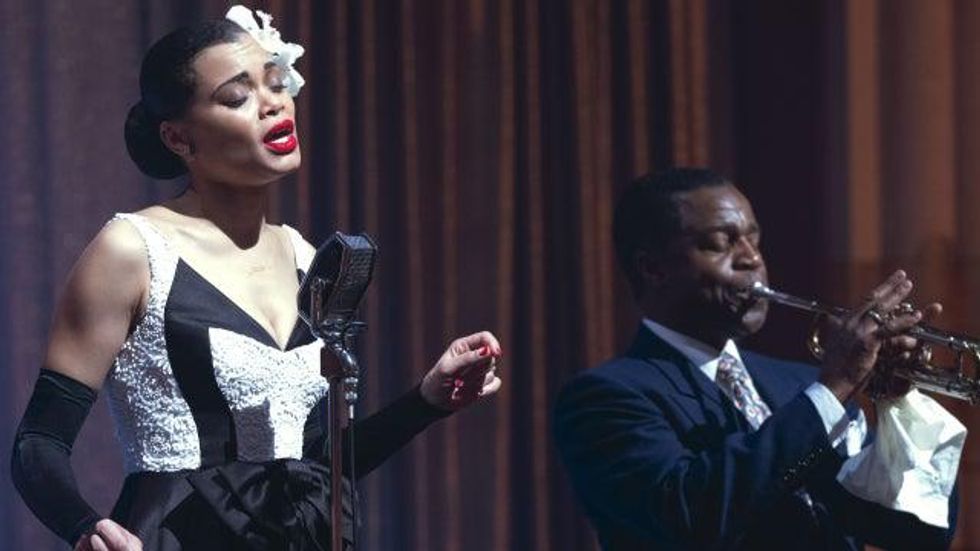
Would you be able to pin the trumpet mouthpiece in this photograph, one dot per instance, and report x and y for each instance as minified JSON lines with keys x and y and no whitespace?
{"x":759,"y":289}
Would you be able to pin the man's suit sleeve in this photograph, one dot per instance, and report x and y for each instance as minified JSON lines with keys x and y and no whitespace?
{"x":626,"y":460}
{"x":628,"y":463}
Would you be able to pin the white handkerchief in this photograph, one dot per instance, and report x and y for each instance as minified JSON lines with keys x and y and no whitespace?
{"x":911,"y":465}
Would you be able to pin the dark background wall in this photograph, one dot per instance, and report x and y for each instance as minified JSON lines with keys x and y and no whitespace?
{"x":483,"y":143}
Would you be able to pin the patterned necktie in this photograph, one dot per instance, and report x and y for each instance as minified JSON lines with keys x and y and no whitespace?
{"x":734,"y":380}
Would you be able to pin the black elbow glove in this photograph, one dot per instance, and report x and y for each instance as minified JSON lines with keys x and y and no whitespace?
{"x":41,"y":464}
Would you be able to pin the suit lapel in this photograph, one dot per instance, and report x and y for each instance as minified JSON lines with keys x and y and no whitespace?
{"x":776,"y":388}
{"x":685,"y":377}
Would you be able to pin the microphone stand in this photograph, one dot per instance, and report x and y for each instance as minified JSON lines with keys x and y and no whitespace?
{"x":339,"y":365}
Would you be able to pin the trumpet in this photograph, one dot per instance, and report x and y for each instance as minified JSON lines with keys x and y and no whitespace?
{"x":960,"y":381}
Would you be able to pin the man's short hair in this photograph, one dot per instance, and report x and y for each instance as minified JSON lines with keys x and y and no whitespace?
{"x":646,"y":217}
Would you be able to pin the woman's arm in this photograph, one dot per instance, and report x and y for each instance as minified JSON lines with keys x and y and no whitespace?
{"x":104,"y":297}
{"x":105,"y":293}
{"x":464,"y":374}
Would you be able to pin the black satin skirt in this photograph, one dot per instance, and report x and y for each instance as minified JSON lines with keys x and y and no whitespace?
{"x":240,"y":506}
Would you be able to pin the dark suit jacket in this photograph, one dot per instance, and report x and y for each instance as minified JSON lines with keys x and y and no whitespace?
{"x":662,"y":460}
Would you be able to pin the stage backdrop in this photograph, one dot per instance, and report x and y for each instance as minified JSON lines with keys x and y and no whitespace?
{"x":483,"y":142}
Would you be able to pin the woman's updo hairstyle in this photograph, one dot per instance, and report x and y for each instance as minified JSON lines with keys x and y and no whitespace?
{"x":167,"y":83}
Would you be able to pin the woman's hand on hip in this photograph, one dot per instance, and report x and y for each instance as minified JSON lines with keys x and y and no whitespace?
{"x":466,"y":372}
{"x":107,"y":535}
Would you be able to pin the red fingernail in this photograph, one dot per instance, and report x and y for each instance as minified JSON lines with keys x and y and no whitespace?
{"x":485,"y":350}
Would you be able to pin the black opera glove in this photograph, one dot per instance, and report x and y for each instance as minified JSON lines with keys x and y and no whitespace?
{"x":41,"y":461}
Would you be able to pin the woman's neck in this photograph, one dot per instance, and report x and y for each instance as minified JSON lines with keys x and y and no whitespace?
{"x":237,"y":212}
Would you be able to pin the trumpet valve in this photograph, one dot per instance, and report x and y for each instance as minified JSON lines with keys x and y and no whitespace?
{"x":924,"y":356}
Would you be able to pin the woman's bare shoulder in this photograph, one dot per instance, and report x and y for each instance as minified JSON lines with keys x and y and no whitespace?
{"x":118,"y":244}
{"x":105,"y":291}
{"x":161,"y":216}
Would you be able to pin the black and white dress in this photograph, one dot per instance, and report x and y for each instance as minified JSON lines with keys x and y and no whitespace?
{"x":220,"y":427}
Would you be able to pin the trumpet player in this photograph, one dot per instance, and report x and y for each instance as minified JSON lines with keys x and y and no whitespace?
{"x":688,"y":441}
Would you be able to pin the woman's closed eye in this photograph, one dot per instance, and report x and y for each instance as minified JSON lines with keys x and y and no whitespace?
{"x":234,"y":103}
{"x":275,"y":79}
{"x":233,"y":95}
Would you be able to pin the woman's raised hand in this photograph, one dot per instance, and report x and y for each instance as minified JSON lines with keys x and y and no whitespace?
{"x":466,"y":372}
{"x":108,"y":536}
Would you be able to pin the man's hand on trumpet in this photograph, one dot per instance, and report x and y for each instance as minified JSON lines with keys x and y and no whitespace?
{"x":898,"y":352}
{"x":878,"y":327}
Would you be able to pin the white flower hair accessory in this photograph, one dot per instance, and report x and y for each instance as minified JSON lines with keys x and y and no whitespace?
{"x":283,"y":53}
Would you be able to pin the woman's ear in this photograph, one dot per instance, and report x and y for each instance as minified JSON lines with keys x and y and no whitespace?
{"x":174,"y":135}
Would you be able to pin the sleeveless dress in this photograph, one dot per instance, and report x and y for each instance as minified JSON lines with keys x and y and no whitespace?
{"x":220,"y":427}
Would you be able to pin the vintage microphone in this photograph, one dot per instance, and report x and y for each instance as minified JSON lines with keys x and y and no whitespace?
{"x":328,"y":299}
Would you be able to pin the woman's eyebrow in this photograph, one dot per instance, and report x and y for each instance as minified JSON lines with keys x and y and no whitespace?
{"x":240,"y":77}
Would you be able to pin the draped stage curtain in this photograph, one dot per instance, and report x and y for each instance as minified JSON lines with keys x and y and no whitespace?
{"x":483,"y":143}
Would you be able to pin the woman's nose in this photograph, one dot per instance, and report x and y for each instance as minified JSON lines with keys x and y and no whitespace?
{"x":272,"y":104}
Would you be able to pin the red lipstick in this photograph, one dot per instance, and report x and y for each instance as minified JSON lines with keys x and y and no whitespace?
{"x":280,"y":139}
